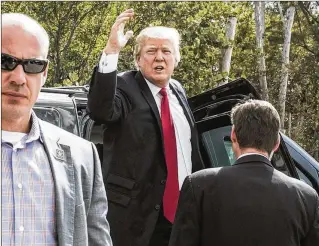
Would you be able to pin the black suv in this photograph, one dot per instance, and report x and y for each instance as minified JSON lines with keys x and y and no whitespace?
{"x":66,"y":108}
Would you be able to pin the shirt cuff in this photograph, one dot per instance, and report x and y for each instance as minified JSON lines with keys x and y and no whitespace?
{"x":108,"y":63}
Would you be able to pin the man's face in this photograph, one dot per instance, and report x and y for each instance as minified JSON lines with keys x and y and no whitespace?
{"x":19,"y":90}
{"x":157,"y":60}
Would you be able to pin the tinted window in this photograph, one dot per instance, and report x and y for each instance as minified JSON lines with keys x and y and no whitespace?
{"x":229,"y":149}
{"x":279,"y":163}
{"x":63,"y":118}
{"x":218,"y":150}
{"x":303,"y":177}
{"x":217,"y":145}
{"x":50,"y":115}
{"x":306,"y":166}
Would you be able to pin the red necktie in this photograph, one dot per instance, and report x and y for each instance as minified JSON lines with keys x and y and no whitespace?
{"x":171,"y":192}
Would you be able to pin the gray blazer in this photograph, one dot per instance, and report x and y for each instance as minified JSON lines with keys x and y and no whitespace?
{"x":81,"y":203}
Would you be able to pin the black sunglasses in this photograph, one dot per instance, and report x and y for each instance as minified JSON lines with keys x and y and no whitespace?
{"x":33,"y":66}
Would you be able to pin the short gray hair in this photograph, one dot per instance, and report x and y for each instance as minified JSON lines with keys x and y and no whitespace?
{"x":160,"y":32}
{"x":30,"y":26}
{"x":256,"y":125}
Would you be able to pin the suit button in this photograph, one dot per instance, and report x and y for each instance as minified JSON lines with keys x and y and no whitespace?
{"x":163,"y":181}
{"x":157,"y":207}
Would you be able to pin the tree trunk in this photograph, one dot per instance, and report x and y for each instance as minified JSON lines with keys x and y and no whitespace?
{"x":260,"y":30}
{"x":227,"y":52}
{"x":289,"y":125}
{"x":300,"y":126}
{"x":288,"y":21}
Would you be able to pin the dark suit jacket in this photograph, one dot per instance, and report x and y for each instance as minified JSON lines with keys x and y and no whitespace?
{"x":134,"y":166}
{"x":248,"y":204}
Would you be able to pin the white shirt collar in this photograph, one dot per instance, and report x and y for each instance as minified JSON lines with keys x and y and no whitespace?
{"x":155,"y":89}
{"x":252,"y":154}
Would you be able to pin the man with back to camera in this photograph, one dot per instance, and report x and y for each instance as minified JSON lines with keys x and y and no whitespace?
{"x":150,"y":143}
{"x":249,"y":203}
{"x":52,"y":184}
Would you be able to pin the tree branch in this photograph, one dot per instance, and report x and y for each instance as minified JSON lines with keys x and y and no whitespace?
{"x":283,"y":19}
{"x":307,"y":13}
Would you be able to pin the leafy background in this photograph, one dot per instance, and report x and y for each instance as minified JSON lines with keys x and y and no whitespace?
{"x":78,"y":32}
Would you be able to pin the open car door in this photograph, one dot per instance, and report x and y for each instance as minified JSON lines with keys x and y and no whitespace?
{"x":211,"y":111}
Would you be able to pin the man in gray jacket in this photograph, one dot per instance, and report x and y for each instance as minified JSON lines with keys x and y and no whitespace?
{"x":52,"y":186}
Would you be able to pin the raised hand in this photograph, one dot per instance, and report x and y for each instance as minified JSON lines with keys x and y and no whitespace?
{"x":117,"y":40}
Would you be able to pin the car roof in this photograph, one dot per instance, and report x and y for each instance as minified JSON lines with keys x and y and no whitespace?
{"x":54,"y":99}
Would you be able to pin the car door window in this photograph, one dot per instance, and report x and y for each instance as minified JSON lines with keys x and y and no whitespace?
{"x":229,"y":149}
{"x":303,"y":177}
{"x":304,"y":163}
{"x":218,"y":147}
{"x":50,"y":115}
{"x":279,"y":163}
{"x":64,"y":118}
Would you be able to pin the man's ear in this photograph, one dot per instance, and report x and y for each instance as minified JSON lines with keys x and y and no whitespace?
{"x":233,"y":135}
{"x":138,"y":60}
{"x":277,"y":144}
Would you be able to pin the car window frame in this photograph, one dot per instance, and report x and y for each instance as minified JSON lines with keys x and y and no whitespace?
{"x":223,"y":120}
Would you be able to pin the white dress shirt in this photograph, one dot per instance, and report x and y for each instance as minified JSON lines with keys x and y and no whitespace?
{"x":108,"y":64}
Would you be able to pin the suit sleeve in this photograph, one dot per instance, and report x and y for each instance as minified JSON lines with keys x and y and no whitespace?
{"x":107,"y":101}
{"x":98,"y":226}
{"x":185,"y":231}
{"x":312,"y":237}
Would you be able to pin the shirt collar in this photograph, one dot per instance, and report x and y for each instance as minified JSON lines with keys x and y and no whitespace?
{"x":252,"y":154}
{"x":34,"y":133}
{"x":155,"y":89}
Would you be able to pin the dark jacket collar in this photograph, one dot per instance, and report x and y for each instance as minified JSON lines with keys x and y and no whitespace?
{"x":253,"y":158}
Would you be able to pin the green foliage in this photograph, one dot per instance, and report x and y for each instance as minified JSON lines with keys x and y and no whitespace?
{"x":78,"y":32}
{"x":74,"y":29}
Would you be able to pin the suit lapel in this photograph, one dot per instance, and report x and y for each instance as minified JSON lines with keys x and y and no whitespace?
{"x":149,"y":98}
{"x":61,"y":163}
{"x":146,"y":92}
